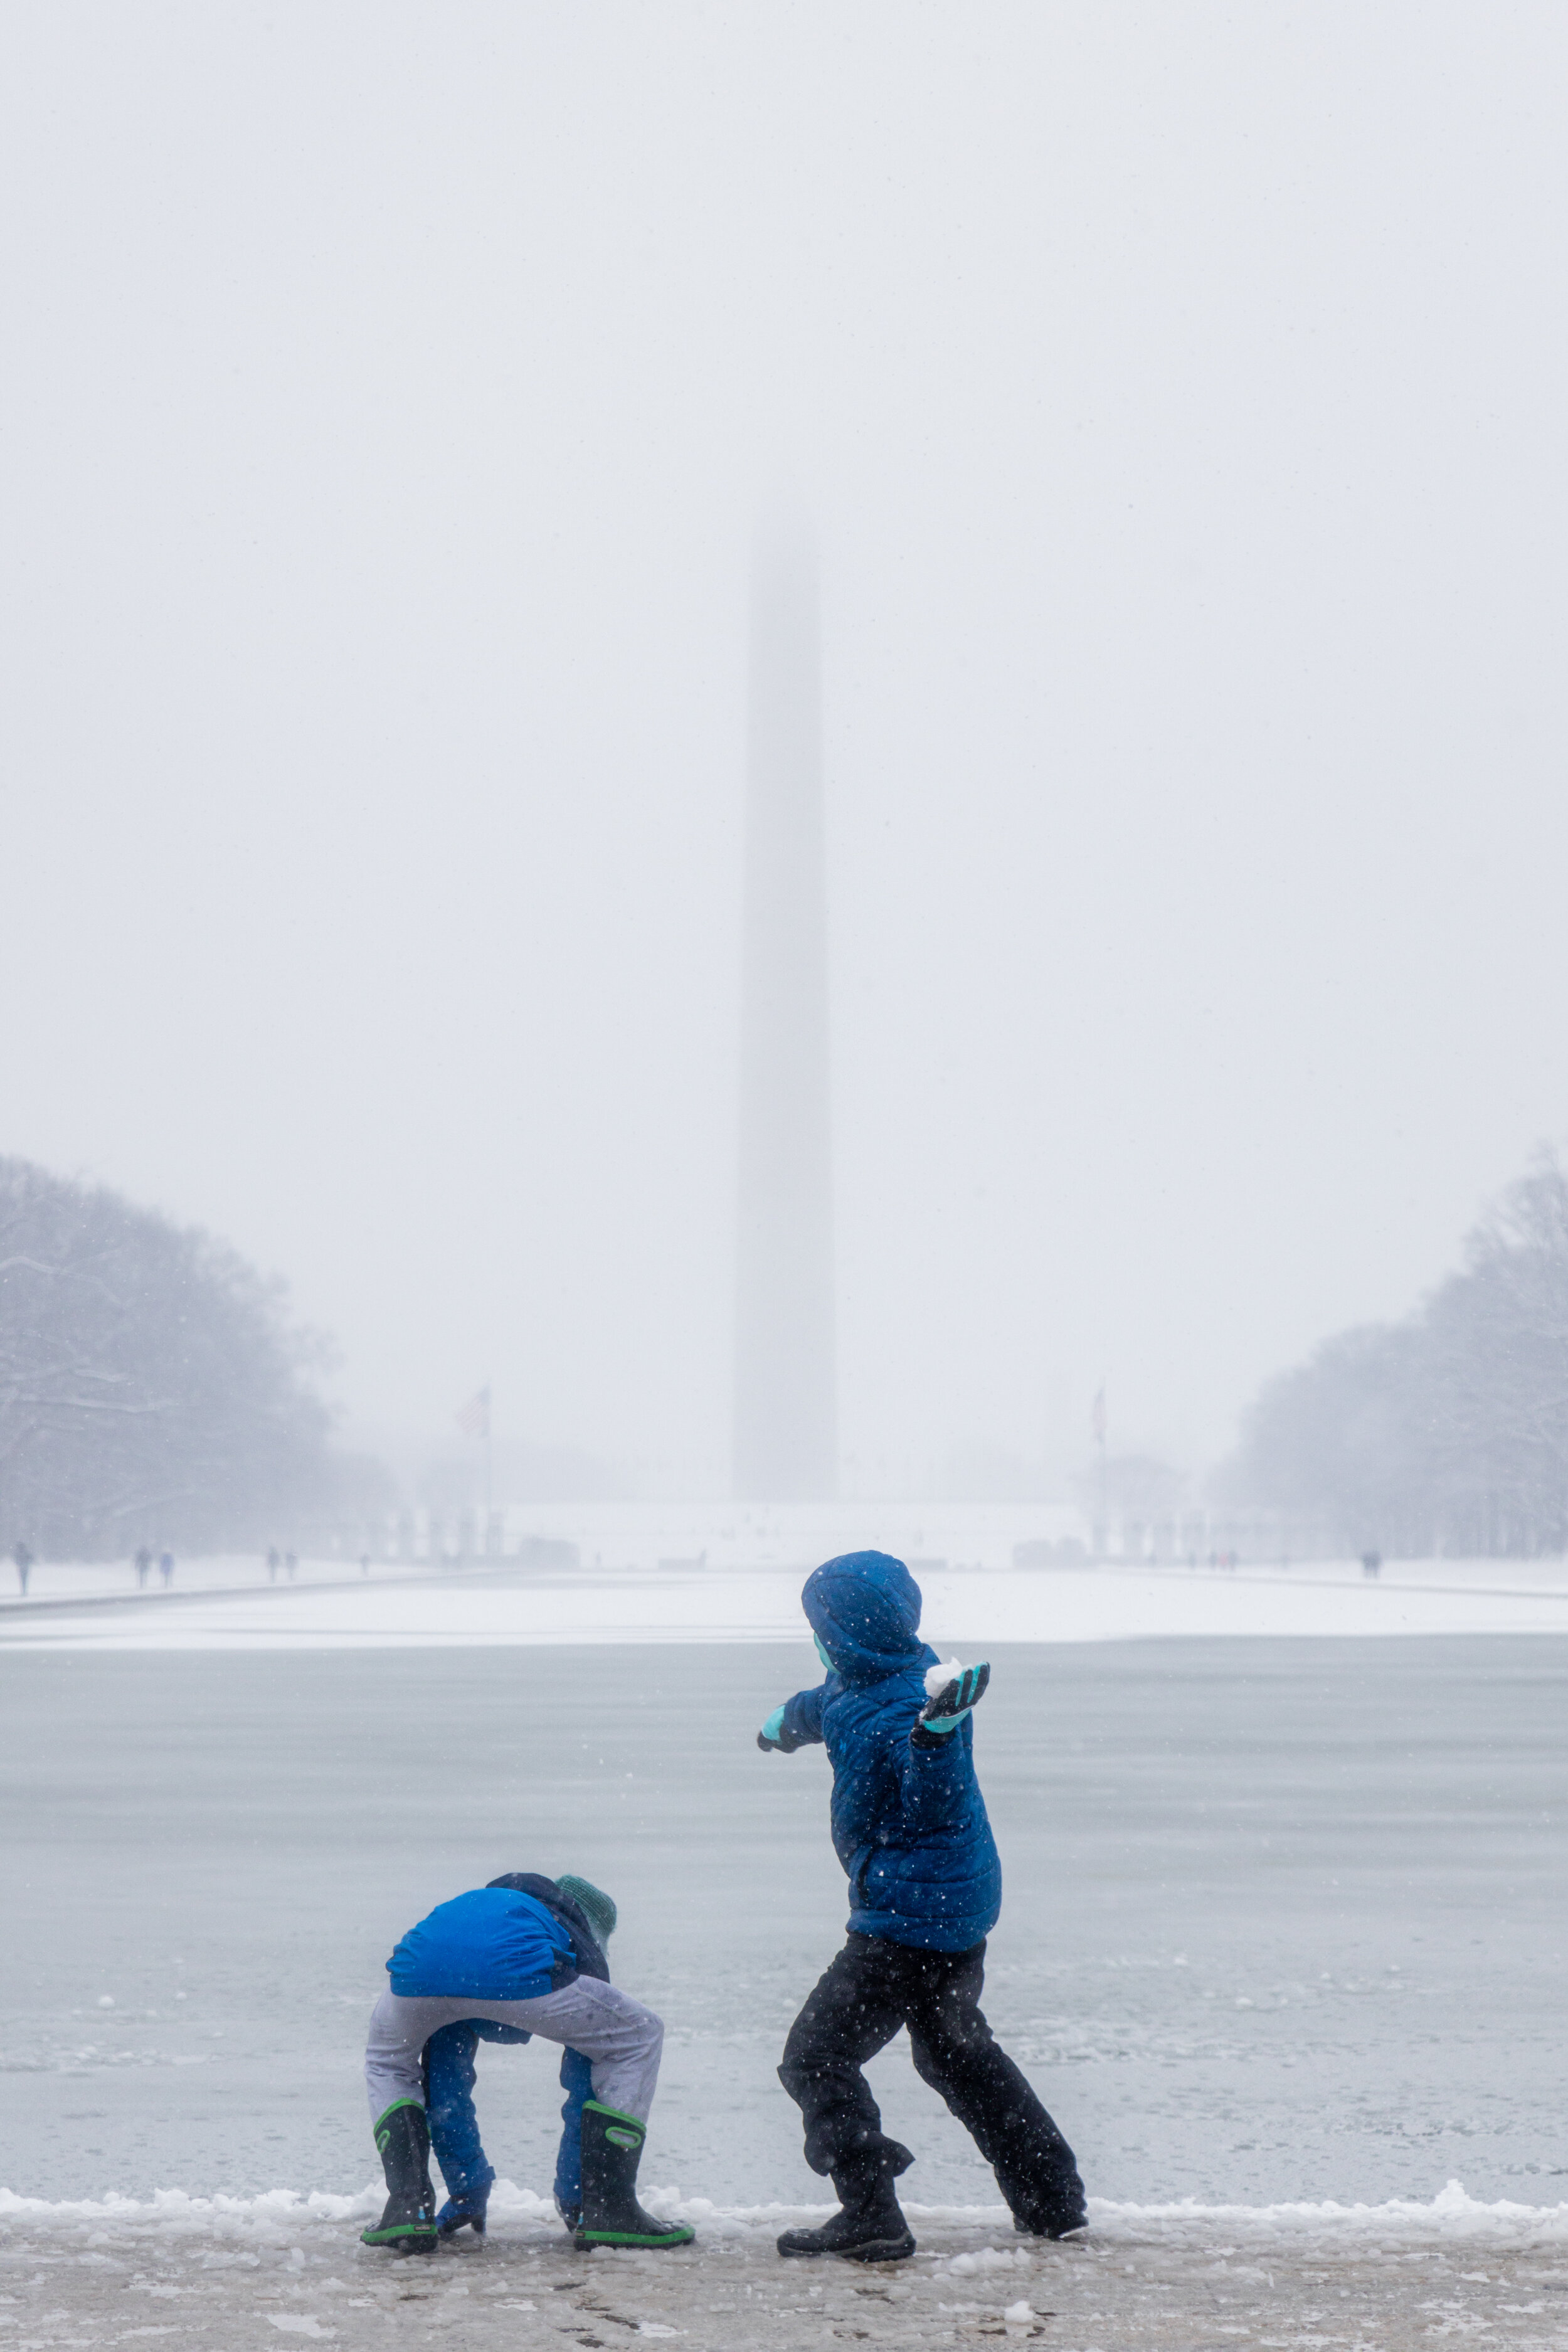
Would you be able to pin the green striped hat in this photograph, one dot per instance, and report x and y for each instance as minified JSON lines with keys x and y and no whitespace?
{"x":594,"y":1903}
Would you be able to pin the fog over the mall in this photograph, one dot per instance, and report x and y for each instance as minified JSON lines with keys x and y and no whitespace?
{"x":391,"y":398}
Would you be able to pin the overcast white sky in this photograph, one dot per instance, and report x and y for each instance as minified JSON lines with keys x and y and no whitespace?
{"x":1179,"y":393}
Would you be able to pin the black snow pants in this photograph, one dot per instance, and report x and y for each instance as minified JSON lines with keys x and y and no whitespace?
{"x":872,"y":1988}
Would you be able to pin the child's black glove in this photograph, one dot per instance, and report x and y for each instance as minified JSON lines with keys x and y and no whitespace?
{"x":772,"y":1735}
{"x":952,"y":1691}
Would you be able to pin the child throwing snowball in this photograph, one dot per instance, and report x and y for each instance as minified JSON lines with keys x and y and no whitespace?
{"x":925,"y":1889}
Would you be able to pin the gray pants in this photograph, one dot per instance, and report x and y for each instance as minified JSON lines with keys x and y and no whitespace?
{"x":620,"y":2039}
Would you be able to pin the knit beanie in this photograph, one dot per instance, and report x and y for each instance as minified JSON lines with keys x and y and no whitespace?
{"x":594,"y":1903}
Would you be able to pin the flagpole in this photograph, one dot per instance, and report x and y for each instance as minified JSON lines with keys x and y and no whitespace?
{"x":489,"y":1417}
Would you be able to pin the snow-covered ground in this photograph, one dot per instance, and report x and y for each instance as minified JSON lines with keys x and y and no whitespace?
{"x":216,"y":2275}
{"x":644,"y":1534}
{"x":221,"y":1605}
{"x":52,"y":1581}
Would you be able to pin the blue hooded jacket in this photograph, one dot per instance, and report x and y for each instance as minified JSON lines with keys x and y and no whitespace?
{"x":909,"y":1820}
{"x":450,"y":2073}
{"x":497,"y":1943}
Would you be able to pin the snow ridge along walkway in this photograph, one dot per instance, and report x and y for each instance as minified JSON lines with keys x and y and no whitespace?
{"x":685,"y":1601}
{"x":216,"y":2274}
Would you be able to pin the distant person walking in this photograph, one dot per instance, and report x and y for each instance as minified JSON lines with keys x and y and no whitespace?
{"x":143,"y":1563}
{"x":272,"y":1565}
{"x":24,"y":1560}
{"x":290,"y":1563}
{"x":167,"y":1568}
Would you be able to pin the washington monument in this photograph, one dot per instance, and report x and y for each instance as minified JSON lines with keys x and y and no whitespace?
{"x":786,"y":1415}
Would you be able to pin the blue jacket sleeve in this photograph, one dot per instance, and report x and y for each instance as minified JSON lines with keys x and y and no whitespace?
{"x":577,"y":2081}
{"x":449,"y":2105}
{"x":936,"y":1776}
{"x":803,"y":1716}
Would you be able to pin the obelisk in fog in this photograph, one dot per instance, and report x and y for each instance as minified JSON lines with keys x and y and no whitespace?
{"x":786,"y":1435}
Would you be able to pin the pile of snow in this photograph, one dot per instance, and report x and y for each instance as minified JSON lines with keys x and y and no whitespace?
{"x":287,"y":2220}
{"x":1451,"y":2216}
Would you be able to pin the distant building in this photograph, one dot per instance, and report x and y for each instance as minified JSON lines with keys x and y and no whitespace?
{"x":786,"y":1413}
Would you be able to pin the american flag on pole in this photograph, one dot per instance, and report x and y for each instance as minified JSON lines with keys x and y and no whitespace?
{"x":474,"y":1420}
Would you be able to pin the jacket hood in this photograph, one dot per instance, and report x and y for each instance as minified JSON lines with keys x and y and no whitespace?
{"x":555,"y":1898}
{"x":864,"y":1609}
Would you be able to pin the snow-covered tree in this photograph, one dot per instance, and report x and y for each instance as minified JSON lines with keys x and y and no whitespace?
{"x":152,"y":1388}
{"x":1449,"y":1431}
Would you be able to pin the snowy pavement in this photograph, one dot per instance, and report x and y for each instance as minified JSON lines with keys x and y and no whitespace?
{"x":684,"y":1600}
{"x":222,"y":2275}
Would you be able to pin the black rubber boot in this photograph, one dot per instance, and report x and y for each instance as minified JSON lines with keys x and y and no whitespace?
{"x":408,"y":2224}
{"x":611,"y":2147}
{"x":1048,"y":2201}
{"x":870,"y":2226}
{"x":1060,"y":2224}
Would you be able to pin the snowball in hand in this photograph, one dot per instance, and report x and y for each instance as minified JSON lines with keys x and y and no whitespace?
{"x":952,"y":1693}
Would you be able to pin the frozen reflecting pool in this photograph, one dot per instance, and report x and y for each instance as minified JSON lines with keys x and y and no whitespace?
{"x":1283,"y":1919}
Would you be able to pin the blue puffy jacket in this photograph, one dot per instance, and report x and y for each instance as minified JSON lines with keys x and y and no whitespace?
{"x":909,"y":1820}
{"x":450,"y":2071}
{"x":494,"y":1944}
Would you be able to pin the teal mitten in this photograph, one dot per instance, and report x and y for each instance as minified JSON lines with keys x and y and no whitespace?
{"x":952,"y":1691}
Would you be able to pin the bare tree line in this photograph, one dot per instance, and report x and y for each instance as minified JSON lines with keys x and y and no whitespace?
{"x":152,"y":1388}
{"x":1446,"y":1432}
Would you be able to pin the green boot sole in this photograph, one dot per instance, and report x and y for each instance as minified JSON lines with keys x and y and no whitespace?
{"x":403,"y":2237}
{"x":655,"y":2240}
